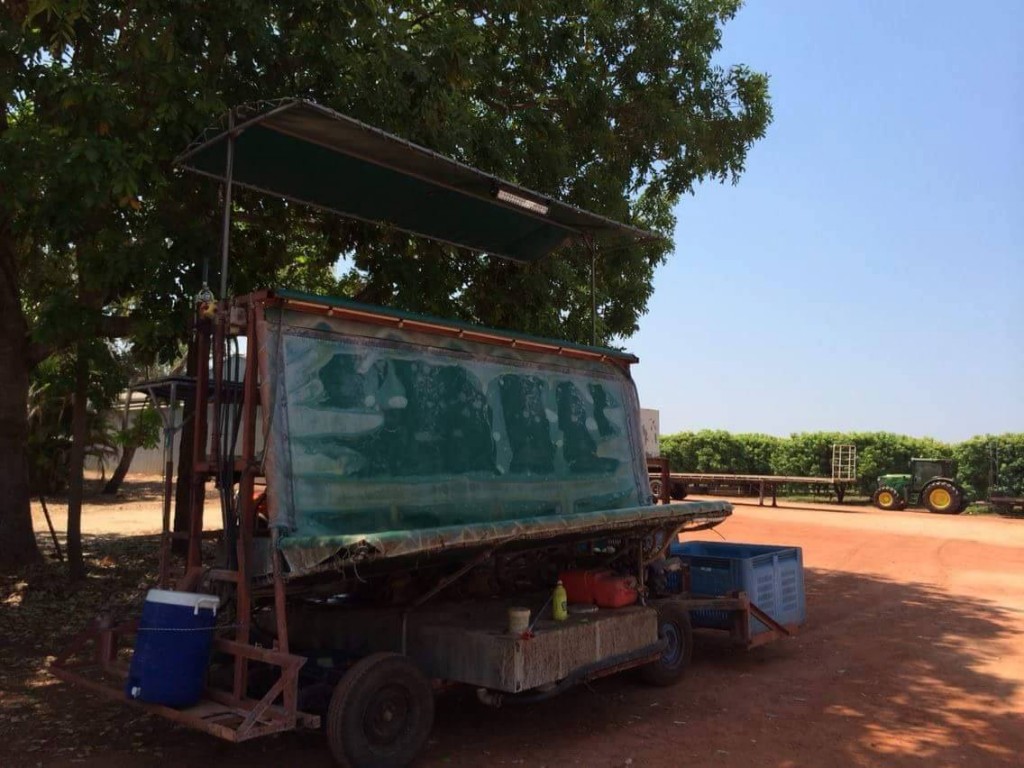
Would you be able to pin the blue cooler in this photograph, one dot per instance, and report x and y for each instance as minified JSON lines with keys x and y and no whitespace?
{"x":172,"y":648}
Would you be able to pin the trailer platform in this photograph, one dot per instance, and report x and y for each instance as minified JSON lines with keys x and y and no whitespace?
{"x":1007,"y":504}
{"x":765,"y":485}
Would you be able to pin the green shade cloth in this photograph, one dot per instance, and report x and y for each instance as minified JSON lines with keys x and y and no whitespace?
{"x":305,"y":152}
{"x":387,"y":441}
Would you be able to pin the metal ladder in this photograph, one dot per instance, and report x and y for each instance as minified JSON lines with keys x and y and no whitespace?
{"x":844,"y":462}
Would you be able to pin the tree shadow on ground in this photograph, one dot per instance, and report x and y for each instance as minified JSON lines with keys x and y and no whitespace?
{"x":897,"y":674}
{"x":884,"y":673}
{"x":40,"y":611}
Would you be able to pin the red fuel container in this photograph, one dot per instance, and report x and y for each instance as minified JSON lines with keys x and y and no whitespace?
{"x":601,"y":587}
{"x":579,"y":586}
{"x":611,"y":591}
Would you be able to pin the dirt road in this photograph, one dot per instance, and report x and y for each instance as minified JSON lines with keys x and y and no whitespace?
{"x":913,"y":654}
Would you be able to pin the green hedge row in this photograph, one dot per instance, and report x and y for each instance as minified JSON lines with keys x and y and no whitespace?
{"x":809,"y":454}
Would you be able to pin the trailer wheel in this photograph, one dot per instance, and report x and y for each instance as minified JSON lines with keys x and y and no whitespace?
{"x":381,"y":713}
{"x":677,"y":490}
{"x":674,"y":626}
{"x":656,"y":488}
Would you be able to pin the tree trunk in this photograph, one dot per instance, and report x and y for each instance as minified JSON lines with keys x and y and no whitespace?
{"x":113,"y":485}
{"x":76,"y":467}
{"x":17,"y":540}
{"x":124,"y":463}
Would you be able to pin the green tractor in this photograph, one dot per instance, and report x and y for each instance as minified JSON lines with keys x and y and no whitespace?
{"x":930,"y":484}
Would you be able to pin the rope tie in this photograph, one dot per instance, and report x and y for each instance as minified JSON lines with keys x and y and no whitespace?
{"x":188,"y":629}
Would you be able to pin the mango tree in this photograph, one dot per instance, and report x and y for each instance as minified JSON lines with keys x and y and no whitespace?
{"x":618,"y":109}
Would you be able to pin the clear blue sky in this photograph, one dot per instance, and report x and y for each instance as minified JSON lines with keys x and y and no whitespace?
{"x":867,"y":272}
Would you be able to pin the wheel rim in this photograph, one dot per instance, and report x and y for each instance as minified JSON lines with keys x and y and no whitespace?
{"x":673,"y":652}
{"x":885,"y":499}
{"x":941,"y":498}
{"x":388,"y":716}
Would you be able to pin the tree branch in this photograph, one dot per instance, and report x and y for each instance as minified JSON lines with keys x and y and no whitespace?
{"x":108,"y":327}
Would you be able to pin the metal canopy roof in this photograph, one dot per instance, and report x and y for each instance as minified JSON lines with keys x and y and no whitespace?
{"x":304,"y":152}
{"x":178,"y":388}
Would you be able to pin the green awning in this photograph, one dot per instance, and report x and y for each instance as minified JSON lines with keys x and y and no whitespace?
{"x":310,"y":154}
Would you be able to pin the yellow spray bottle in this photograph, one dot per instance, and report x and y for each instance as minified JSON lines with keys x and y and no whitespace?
{"x":559,"y":603}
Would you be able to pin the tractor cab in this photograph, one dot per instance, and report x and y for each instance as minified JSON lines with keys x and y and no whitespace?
{"x":930,"y":483}
{"x":924,"y":470}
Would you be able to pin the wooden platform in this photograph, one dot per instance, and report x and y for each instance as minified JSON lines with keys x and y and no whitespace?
{"x":469,"y":643}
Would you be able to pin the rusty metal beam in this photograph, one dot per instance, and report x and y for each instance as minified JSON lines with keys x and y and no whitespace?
{"x":767,"y":620}
{"x":439,"y":329}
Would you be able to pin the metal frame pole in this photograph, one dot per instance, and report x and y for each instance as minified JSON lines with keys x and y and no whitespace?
{"x":167,"y":417}
{"x":593,"y":290}
{"x":226,"y":223}
{"x":246,"y":508}
{"x":200,"y":454}
{"x":223,"y":472}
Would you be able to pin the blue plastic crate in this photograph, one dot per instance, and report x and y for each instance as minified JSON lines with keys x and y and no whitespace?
{"x":771,"y":575}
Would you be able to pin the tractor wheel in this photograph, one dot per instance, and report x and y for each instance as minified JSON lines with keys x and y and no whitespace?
{"x":887,"y":498}
{"x":380,"y":714}
{"x":943,"y":497}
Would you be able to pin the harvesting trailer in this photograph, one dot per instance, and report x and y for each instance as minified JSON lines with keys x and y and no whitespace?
{"x":929,"y":484}
{"x":424,"y":479}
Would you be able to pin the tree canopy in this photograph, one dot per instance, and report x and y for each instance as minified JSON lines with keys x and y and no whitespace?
{"x":617,"y":107}
{"x":986,"y":464}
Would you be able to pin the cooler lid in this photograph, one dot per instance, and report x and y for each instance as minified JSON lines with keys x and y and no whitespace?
{"x":194,"y":600}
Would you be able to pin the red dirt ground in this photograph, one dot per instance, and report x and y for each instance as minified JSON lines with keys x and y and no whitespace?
{"x":912,"y":655}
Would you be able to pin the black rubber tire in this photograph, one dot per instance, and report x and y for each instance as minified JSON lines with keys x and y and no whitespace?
{"x":954,"y":494}
{"x":885,"y":492}
{"x":677,"y":490}
{"x":361,"y":727}
{"x":656,"y":489}
{"x":674,"y":622}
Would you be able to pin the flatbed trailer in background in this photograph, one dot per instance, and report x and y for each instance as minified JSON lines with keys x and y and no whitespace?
{"x":1007,"y":504}
{"x":761,"y":485}
{"x":667,"y":485}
